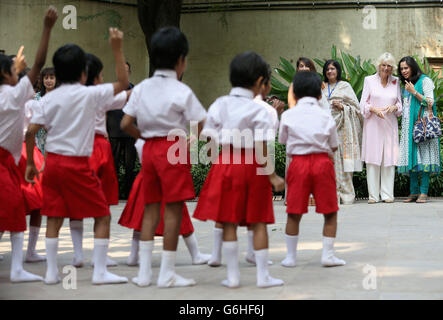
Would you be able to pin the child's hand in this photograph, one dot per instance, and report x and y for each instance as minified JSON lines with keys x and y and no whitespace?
{"x":19,"y":62}
{"x":115,"y":38}
{"x":277,"y":182}
{"x":51,"y":17}
{"x":31,"y":173}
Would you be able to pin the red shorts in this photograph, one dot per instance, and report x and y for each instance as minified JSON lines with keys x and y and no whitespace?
{"x":102,"y":162}
{"x":132,"y":215}
{"x":33,"y":194}
{"x":163,"y":181}
{"x":234,"y":193}
{"x":71,"y":189}
{"x":12,"y":209}
{"x":311,"y":173}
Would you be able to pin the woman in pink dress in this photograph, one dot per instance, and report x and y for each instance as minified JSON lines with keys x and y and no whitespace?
{"x":380,"y":106}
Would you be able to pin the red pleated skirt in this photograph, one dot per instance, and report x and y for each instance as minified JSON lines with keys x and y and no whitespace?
{"x":102,"y":162}
{"x":132,"y":215}
{"x":33,"y":194}
{"x":235,"y":193}
{"x":12,"y":209}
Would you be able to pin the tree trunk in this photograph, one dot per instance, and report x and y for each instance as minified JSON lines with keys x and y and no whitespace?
{"x":155,"y":14}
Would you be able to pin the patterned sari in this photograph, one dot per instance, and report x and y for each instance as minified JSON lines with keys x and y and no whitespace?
{"x":349,"y":122}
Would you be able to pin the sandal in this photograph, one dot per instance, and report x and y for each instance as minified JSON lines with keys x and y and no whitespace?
{"x":423,"y":198}
{"x":411,"y":198}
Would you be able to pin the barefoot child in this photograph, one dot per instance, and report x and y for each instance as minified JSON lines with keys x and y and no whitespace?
{"x":13,"y":96}
{"x":101,"y":160}
{"x":70,"y":188}
{"x":132,"y":217}
{"x":162,"y":104}
{"x":236,"y":193}
{"x":310,"y":136}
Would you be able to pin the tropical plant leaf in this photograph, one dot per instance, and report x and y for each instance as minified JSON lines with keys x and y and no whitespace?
{"x":287,"y":77}
{"x":287,"y":66}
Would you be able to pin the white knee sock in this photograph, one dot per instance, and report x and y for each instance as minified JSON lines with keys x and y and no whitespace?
{"x":230,"y":252}
{"x":76,"y":227}
{"x":31,"y":254}
{"x":1,"y":234}
{"x":196,"y":255}
{"x":328,"y":259}
{"x":52,"y":276}
{"x":167,"y":277}
{"x":216,"y":255}
{"x":133,"y":256}
{"x":18,"y":274}
{"x":250,"y":256}
{"x":291,"y":251}
{"x":101,"y":275}
{"x":144,"y":277}
{"x":264,"y":280}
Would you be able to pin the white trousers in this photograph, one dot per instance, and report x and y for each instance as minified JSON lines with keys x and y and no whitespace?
{"x":380,"y":182}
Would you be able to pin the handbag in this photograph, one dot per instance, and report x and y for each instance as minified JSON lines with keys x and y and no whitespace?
{"x":426,"y":128}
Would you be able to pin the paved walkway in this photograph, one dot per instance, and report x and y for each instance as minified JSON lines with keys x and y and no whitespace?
{"x":401,"y":244}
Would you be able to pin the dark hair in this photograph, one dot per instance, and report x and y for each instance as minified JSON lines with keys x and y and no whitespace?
{"x":246,"y":68}
{"x":416,"y":72}
{"x":167,"y":46}
{"x":307,"y":62}
{"x":95,"y":66}
{"x":307,"y":84}
{"x":336,"y":65}
{"x":69,"y":63}
{"x":5,"y":66}
{"x":45,"y":72}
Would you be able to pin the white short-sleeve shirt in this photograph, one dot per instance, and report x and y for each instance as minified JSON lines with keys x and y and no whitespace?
{"x":236,"y":119}
{"x":116,"y":102}
{"x":307,"y":128}
{"x":69,"y":114}
{"x":12,"y":115}
{"x":162,"y":104}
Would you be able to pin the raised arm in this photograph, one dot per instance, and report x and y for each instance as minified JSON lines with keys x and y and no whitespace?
{"x":40,"y":59}
{"x":116,"y":40}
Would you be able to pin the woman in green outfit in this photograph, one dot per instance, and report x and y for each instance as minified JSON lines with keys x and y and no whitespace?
{"x":422,"y":158}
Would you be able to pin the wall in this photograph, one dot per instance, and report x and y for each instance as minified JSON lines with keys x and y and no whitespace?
{"x":216,"y":37}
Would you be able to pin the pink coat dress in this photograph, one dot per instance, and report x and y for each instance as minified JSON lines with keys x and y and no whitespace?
{"x":380,"y":136}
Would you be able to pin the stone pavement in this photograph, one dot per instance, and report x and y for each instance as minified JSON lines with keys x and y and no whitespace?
{"x":401,"y":244}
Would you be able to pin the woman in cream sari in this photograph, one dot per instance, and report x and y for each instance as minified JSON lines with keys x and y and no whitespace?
{"x":345,"y":110}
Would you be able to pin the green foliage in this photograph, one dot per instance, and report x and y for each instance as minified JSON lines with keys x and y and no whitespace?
{"x":113,"y":19}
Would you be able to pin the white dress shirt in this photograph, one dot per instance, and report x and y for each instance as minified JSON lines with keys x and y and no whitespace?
{"x":116,"y":102}
{"x":236,"y":119}
{"x":69,"y":115}
{"x":162,"y":104}
{"x":307,"y":128}
{"x":12,"y":115}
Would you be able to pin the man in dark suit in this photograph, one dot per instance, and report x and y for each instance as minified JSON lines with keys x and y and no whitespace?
{"x":122,"y":145}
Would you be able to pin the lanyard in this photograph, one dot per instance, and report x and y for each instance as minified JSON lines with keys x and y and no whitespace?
{"x":329,"y":91}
